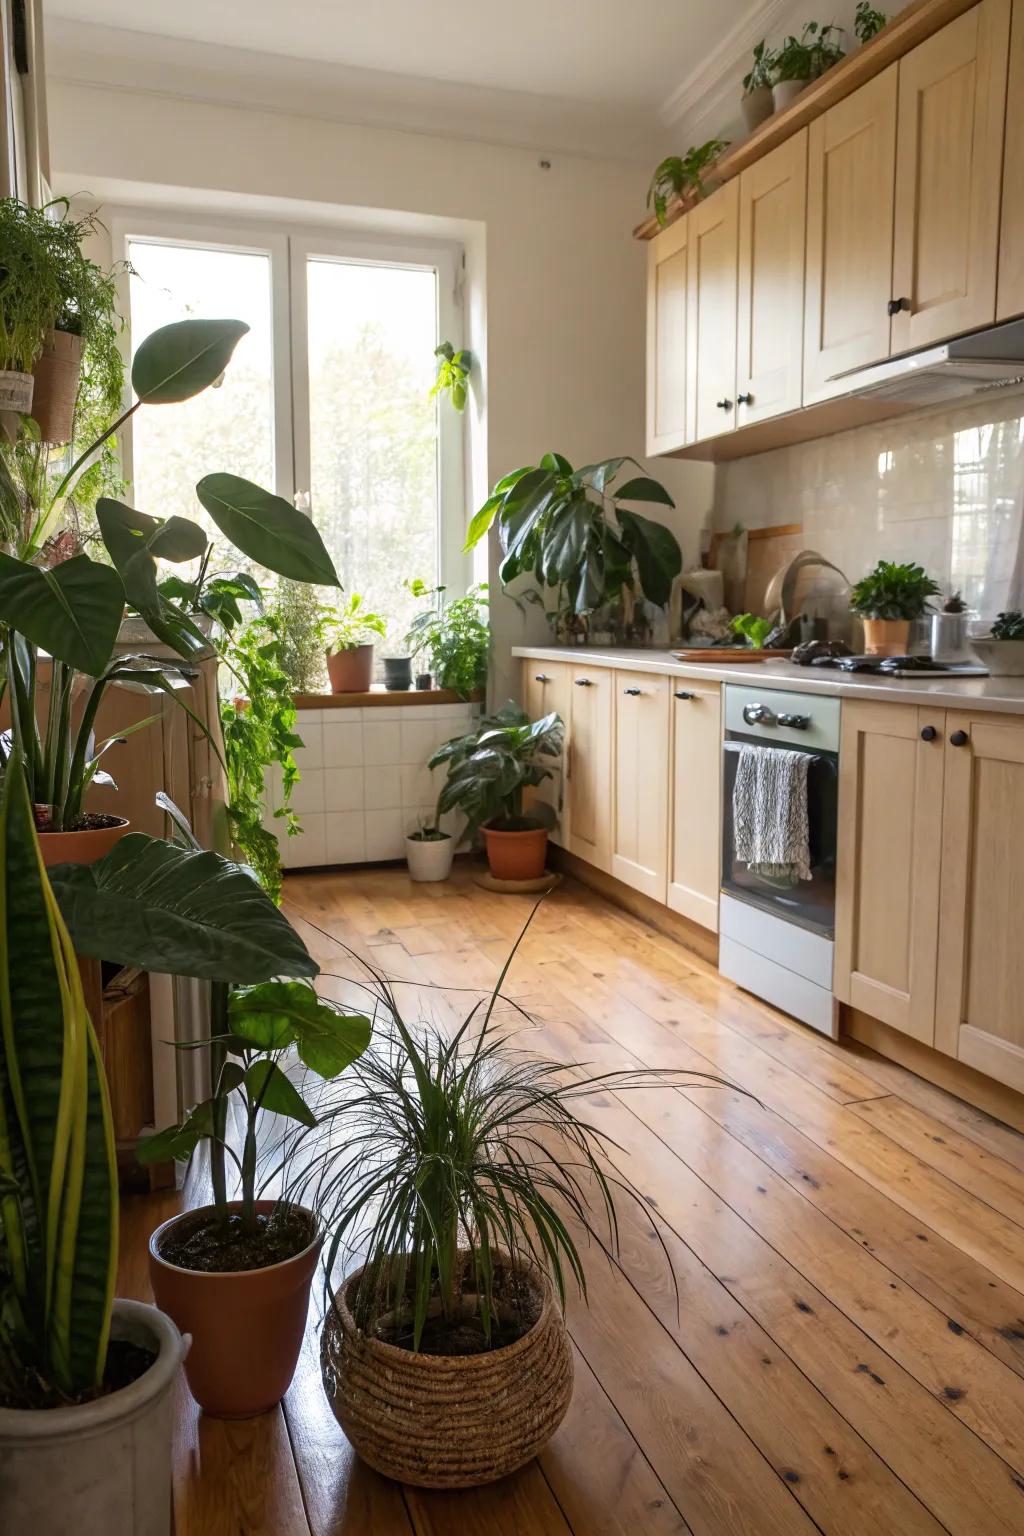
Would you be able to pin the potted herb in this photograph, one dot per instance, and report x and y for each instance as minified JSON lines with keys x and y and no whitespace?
{"x":949,"y":630}
{"x":453,"y":370}
{"x":888,"y":599}
{"x":489,"y":771}
{"x":348,"y":633}
{"x":1002,"y":649}
{"x":86,"y":1381}
{"x":683,"y":176}
{"x":300,"y":614}
{"x":867,"y":22}
{"x":756,"y":103}
{"x":576,"y":538}
{"x":429,"y":852}
{"x":803,"y":59}
{"x":454,"y":634}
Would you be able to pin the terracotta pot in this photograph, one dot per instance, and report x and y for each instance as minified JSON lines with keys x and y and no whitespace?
{"x":516,"y":855}
{"x":757,"y":107}
{"x":351,"y":671}
{"x":246,"y":1326}
{"x":56,"y":374}
{"x":83,"y":847}
{"x":886,"y":637}
{"x":448,"y":1421}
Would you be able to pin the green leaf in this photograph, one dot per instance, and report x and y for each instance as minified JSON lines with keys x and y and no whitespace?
{"x":565,"y":543}
{"x":643,"y":489}
{"x":178,"y":1142}
{"x":656,"y":552}
{"x":267,"y":529}
{"x":558,"y":462}
{"x":271,"y":1088}
{"x":182,"y":359}
{"x":481,"y":521}
{"x":72,"y":611}
{"x":280,"y":1013}
{"x":165,"y":908}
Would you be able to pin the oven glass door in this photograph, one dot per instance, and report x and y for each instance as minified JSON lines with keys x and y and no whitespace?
{"x":810,"y":903}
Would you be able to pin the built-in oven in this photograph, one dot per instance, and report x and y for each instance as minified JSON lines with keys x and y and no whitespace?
{"x":777,"y":928}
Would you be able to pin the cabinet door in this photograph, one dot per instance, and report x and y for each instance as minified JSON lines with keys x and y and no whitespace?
{"x":769,"y":328}
{"x":887,"y":863}
{"x":640,"y":827}
{"x":695,"y":797}
{"x":851,"y":176}
{"x":545,"y":687}
{"x":589,"y":772}
{"x":980,"y":1018}
{"x":667,"y":279}
{"x":1010,"y":301}
{"x":949,"y":151}
{"x":711,"y":328}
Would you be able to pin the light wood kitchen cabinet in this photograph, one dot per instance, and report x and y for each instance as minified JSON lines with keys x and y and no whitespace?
{"x":949,"y":156}
{"x":851,"y":179}
{"x":1010,"y":295}
{"x":888,"y":862}
{"x":588,"y":789}
{"x":695,"y":801}
{"x":979,"y":1014}
{"x":711,"y":314}
{"x":667,"y":288}
{"x":545,"y":688}
{"x":641,"y":774}
{"x":769,"y":335}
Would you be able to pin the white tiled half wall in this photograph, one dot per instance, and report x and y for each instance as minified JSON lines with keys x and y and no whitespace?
{"x":365,"y":782}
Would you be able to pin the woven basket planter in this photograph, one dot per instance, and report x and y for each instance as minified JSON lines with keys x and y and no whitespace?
{"x":441,"y":1421}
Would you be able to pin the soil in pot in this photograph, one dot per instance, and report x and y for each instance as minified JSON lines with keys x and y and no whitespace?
{"x":126,"y":1362}
{"x":517,"y":1308}
{"x":212,"y":1247}
{"x":516,"y":848}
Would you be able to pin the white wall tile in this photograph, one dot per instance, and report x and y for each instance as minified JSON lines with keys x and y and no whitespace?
{"x":343,"y":743}
{"x":309,"y":717}
{"x":343,"y":789}
{"x":419,"y":784}
{"x":309,"y":848}
{"x":419,"y":739}
{"x":346,"y":837}
{"x":385,"y":834}
{"x":311,"y":753}
{"x":308,"y":794}
{"x":381,"y":742}
{"x":382,"y":789}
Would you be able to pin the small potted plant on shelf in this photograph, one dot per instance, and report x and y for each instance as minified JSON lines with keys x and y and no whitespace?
{"x":867,"y":21}
{"x":489,"y":771}
{"x":683,"y":176}
{"x":454,"y":634}
{"x":30,"y":299}
{"x":348,"y":633}
{"x":888,"y":599}
{"x":756,"y":103}
{"x":1002,"y":649}
{"x":802,"y":59}
{"x":85,"y":1380}
{"x":429,"y":851}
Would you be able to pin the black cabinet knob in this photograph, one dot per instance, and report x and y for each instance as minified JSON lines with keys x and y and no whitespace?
{"x":540,"y":678}
{"x":582,"y":682}
{"x":681,"y":693}
{"x":633,"y":692}
{"x":928,"y":733}
{"x":744,"y":399}
{"x":895,"y":305}
{"x":959,"y":739}
{"x":724,"y":405}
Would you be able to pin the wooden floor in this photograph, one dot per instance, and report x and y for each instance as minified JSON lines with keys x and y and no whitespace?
{"x":848,"y":1353}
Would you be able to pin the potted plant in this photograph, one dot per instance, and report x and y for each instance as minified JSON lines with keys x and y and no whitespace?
{"x":30,"y":298}
{"x":575,"y":537}
{"x":488,"y":772}
{"x":454,"y":634}
{"x":949,"y":630}
{"x":300,"y":615}
{"x":234,"y":1274}
{"x":1002,"y":649}
{"x":85,"y":1380}
{"x":453,"y":370}
{"x":349,"y":633}
{"x":429,"y":852}
{"x":397,"y":673}
{"x":462,"y":1173}
{"x":683,"y":176}
{"x":802,"y":59}
{"x":867,"y":21}
{"x":888,"y":599}
{"x":756,"y":103}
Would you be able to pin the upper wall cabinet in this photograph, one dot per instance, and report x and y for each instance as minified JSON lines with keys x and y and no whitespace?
{"x":772,"y":212}
{"x":949,"y":151}
{"x":851,"y":177}
{"x":711,"y":328}
{"x":667,"y":283}
{"x":1010,"y":298}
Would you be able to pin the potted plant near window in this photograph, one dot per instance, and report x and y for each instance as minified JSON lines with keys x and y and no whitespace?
{"x":888,"y":599}
{"x":85,"y":1380}
{"x":802,"y":59}
{"x":489,"y":771}
{"x":349,"y":633}
{"x":756,"y":103}
{"x":454,"y":634}
{"x":1002,"y":649}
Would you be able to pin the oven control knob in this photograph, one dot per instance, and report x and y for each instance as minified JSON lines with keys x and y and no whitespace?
{"x":959,"y":739}
{"x":795,"y":722}
{"x":758,"y":714}
{"x":928,"y":733}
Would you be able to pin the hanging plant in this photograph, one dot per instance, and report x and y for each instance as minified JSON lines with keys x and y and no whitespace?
{"x":453,"y":369}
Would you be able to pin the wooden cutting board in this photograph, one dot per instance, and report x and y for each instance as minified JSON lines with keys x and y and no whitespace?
{"x":729,"y":653}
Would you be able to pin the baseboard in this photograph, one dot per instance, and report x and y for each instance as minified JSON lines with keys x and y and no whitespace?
{"x":672,"y":924}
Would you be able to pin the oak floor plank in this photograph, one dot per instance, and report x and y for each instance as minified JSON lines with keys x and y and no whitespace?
{"x":520,"y":1504}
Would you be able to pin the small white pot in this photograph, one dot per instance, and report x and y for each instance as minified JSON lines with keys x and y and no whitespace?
{"x":16,"y":390}
{"x":785,"y":92}
{"x":757,"y":106}
{"x":1004,"y":658}
{"x":104,"y":1466}
{"x":430,"y":859}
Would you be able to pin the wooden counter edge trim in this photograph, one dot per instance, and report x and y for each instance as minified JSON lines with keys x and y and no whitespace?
{"x":381,"y":699}
{"x":672,"y":924}
{"x":911,"y":26}
{"x":985,"y":1093}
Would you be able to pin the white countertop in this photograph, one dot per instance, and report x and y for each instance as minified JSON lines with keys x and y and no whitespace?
{"x":1001,"y":694}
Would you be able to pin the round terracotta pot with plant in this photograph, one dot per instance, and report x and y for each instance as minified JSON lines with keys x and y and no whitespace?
{"x":348,"y":633}
{"x":83,"y":844}
{"x":888,"y":599}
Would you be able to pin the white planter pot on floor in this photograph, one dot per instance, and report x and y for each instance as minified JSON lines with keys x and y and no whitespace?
{"x":430,"y":858}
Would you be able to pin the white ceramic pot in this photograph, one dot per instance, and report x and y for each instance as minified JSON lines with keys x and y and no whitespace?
{"x":430,"y":858}
{"x":785,"y":92}
{"x":104,"y":1466}
{"x":1004,"y":658}
{"x":757,"y":107}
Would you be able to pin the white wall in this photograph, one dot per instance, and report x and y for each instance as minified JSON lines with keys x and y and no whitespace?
{"x":563,"y":305}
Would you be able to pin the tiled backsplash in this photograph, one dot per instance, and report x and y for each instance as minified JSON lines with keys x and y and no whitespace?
{"x":943,"y":488}
{"x":365,"y":781}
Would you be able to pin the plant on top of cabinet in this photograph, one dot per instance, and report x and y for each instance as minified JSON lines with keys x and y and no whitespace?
{"x":453,"y":370}
{"x":488,"y":770}
{"x":454,"y":634}
{"x":681,"y":174}
{"x":1002,"y":649}
{"x":563,"y":527}
{"x":802,"y":59}
{"x":348,"y":635}
{"x":888,"y":599}
{"x":756,"y":101}
{"x":867,"y":22}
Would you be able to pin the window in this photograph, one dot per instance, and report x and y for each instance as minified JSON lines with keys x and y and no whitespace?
{"x":327,"y":397}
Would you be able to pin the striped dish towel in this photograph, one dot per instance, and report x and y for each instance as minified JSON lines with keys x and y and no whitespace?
{"x":769,"y":813}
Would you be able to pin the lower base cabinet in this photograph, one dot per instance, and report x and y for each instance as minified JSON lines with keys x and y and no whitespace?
{"x":695,"y":802}
{"x":640,"y":842}
{"x":544,"y":690}
{"x":588,"y":788}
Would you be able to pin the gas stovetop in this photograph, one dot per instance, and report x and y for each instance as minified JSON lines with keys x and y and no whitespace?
{"x":902,"y":666}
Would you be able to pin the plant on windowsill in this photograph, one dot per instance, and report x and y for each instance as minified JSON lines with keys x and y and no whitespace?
{"x":888,"y":599}
{"x":300,"y":613}
{"x":489,"y":771}
{"x":802,"y":59}
{"x":756,"y":103}
{"x":453,"y":370}
{"x":683,"y":176}
{"x":348,"y":635}
{"x":454,"y":634}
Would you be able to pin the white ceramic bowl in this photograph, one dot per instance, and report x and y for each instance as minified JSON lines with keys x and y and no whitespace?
{"x":1004,"y":658}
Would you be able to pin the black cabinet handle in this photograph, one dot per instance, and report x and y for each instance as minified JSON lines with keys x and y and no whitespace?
{"x":959,"y":739}
{"x":681,"y":693}
{"x":633,"y":692}
{"x":724,"y":405}
{"x":928,"y":733}
{"x":894,"y":306}
{"x":582,"y":682}
{"x":541,"y":678}
{"x":744,"y":399}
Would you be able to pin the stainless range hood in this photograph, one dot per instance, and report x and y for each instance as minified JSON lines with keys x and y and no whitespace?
{"x":970,"y":365}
